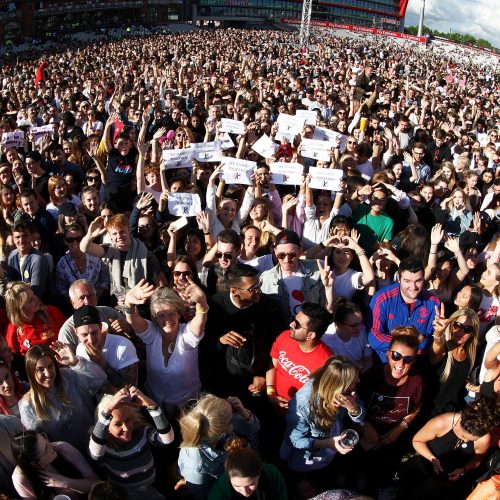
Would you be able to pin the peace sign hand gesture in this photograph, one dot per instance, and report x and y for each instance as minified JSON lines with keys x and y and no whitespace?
{"x":439,"y":324}
{"x":326,"y":273}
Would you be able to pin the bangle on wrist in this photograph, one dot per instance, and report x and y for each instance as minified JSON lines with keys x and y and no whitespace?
{"x":321,"y":244}
{"x":206,"y":234}
{"x":152,"y":407}
{"x":131,"y":309}
{"x":270,"y":390}
{"x":356,"y":413}
{"x":404,"y":423}
{"x":202,"y":310}
{"x":362,"y":252}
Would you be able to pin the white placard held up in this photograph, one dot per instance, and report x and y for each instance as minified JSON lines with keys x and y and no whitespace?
{"x":205,"y":152}
{"x":289,"y":126}
{"x":311,"y":117}
{"x":265,"y":147}
{"x":232,"y":126}
{"x":325,"y":134}
{"x":13,"y":139}
{"x":317,"y":150}
{"x":225,"y":141}
{"x":184,"y":204}
{"x":177,"y":158}
{"x":235,"y":171}
{"x":288,"y":174}
{"x":326,"y":178}
{"x":38,"y":132}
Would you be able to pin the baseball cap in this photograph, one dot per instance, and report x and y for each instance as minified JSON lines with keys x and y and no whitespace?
{"x":86,"y":315}
{"x":288,"y":236}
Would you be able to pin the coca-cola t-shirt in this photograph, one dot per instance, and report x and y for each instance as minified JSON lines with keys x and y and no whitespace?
{"x":294,"y":365}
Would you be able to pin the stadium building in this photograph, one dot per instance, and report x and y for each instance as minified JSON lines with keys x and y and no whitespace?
{"x":48,"y":18}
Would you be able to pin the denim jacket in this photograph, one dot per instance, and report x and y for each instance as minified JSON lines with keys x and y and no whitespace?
{"x":201,"y":466}
{"x":301,"y":433}
{"x":313,"y":290}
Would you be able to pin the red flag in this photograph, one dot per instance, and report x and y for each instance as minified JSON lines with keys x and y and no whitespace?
{"x":42,"y":73}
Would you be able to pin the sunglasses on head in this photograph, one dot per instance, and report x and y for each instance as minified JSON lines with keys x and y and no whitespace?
{"x":464,"y":328}
{"x":252,"y":289}
{"x":397,"y":356}
{"x":72,"y":240}
{"x":184,"y":274}
{"x":290,"y":255}
{"x":226,"y":255}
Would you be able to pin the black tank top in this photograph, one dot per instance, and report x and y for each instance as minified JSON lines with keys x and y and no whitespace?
{"x":452,"y":451}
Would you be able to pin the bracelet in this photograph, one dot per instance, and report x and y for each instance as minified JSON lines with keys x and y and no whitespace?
{"x":432,"y":253}
{"x":132,"y":309}
{"x":201,"y":310}
{"x":152,"y":408}
{"x":405,"y":423}
{"x":357,"y":414}
{"x":206,"y":234}
{"x":270,"y":390}
{"x":360,"y":253}
{"x":356,"y":193}
{"x":321,"y":244}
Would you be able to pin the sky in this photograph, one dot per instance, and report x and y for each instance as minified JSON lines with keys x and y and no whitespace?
{"x":478,"y":18}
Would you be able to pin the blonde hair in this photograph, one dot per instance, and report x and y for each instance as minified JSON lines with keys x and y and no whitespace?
{"x":16,"y":298}
{"x":329,"y":382}
{"x":207,"y":422}
{"x":137,"y":419}
{"x":166,"y":296}
{"x":470,"y":346}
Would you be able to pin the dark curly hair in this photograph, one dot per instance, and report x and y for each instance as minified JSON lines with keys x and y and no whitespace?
{"x":481,"y":416}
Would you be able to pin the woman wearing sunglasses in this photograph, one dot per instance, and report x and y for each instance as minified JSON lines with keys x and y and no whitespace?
{"x":453,"y":353}
{"x":393,"y":394}
{"x":76,"y":265}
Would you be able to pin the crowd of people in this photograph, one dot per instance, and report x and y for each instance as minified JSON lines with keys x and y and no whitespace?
{"x":234,"y":268}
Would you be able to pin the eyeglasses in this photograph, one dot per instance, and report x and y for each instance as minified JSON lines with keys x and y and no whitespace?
{"x":92,"y":178}
{"x":464,"y":328}
{"x":184,"y":274}
{"x":290,"y":255}
{"x":226,"y":255}
{"x":397,"y":356}
{"x":253,"y":289}
{"x":72,"y":240}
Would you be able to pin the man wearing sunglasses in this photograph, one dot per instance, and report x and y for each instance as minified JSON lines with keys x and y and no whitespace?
{"x":241,"y":328}
{"x":405,"y":303}
{"x":219,"y":259}
{"x":294,"y":281}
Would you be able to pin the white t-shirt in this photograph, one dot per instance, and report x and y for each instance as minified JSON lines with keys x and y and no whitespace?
{"x":346,"y":284}
{"x":356,"y":348}
{"x":296,"y":298}
{"x":262,"y":263}
{"x":492,"y":337}
{"x":118,"y":352}
{"x":179,"y":381}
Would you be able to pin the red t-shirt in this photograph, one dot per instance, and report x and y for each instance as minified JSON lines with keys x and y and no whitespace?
{"x":294,"y":365}
{"x":35,"y":333}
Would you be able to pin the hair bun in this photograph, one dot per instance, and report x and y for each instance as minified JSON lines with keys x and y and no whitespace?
{"x":235,"y":444}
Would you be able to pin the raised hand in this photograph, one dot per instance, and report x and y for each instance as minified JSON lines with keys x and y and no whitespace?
{"x":326,"y":273}
{"x":96,"y":227}
{"x":144,"y":201}
{"x":440,"y":322}
{"x":203,"y":220}
{"x":437,"y":234}
{"x":192,"y":294}
{"x":63,"y":353}
{"x":140,"y":293}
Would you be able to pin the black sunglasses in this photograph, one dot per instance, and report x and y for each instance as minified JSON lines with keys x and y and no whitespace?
{"x":226,"y":255}
{"x":72,"y":240}
{"x":184,"y":274}
{"x":464,"y":328}
{"x":397,"y":356}
{"x":282,"y":255}
{"x":92,"y":178}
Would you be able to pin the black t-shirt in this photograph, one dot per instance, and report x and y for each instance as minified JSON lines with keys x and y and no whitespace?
{"x":121,"y":168}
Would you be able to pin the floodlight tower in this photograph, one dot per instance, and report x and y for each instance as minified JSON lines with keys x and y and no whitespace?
{"x":305,"y":23}
{"x":421,"y":20}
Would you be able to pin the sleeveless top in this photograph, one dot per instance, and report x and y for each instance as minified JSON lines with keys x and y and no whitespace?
{"x":452,"y":451}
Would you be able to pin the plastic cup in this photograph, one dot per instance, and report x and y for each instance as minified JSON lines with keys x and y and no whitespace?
{"x":349,"y":438}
